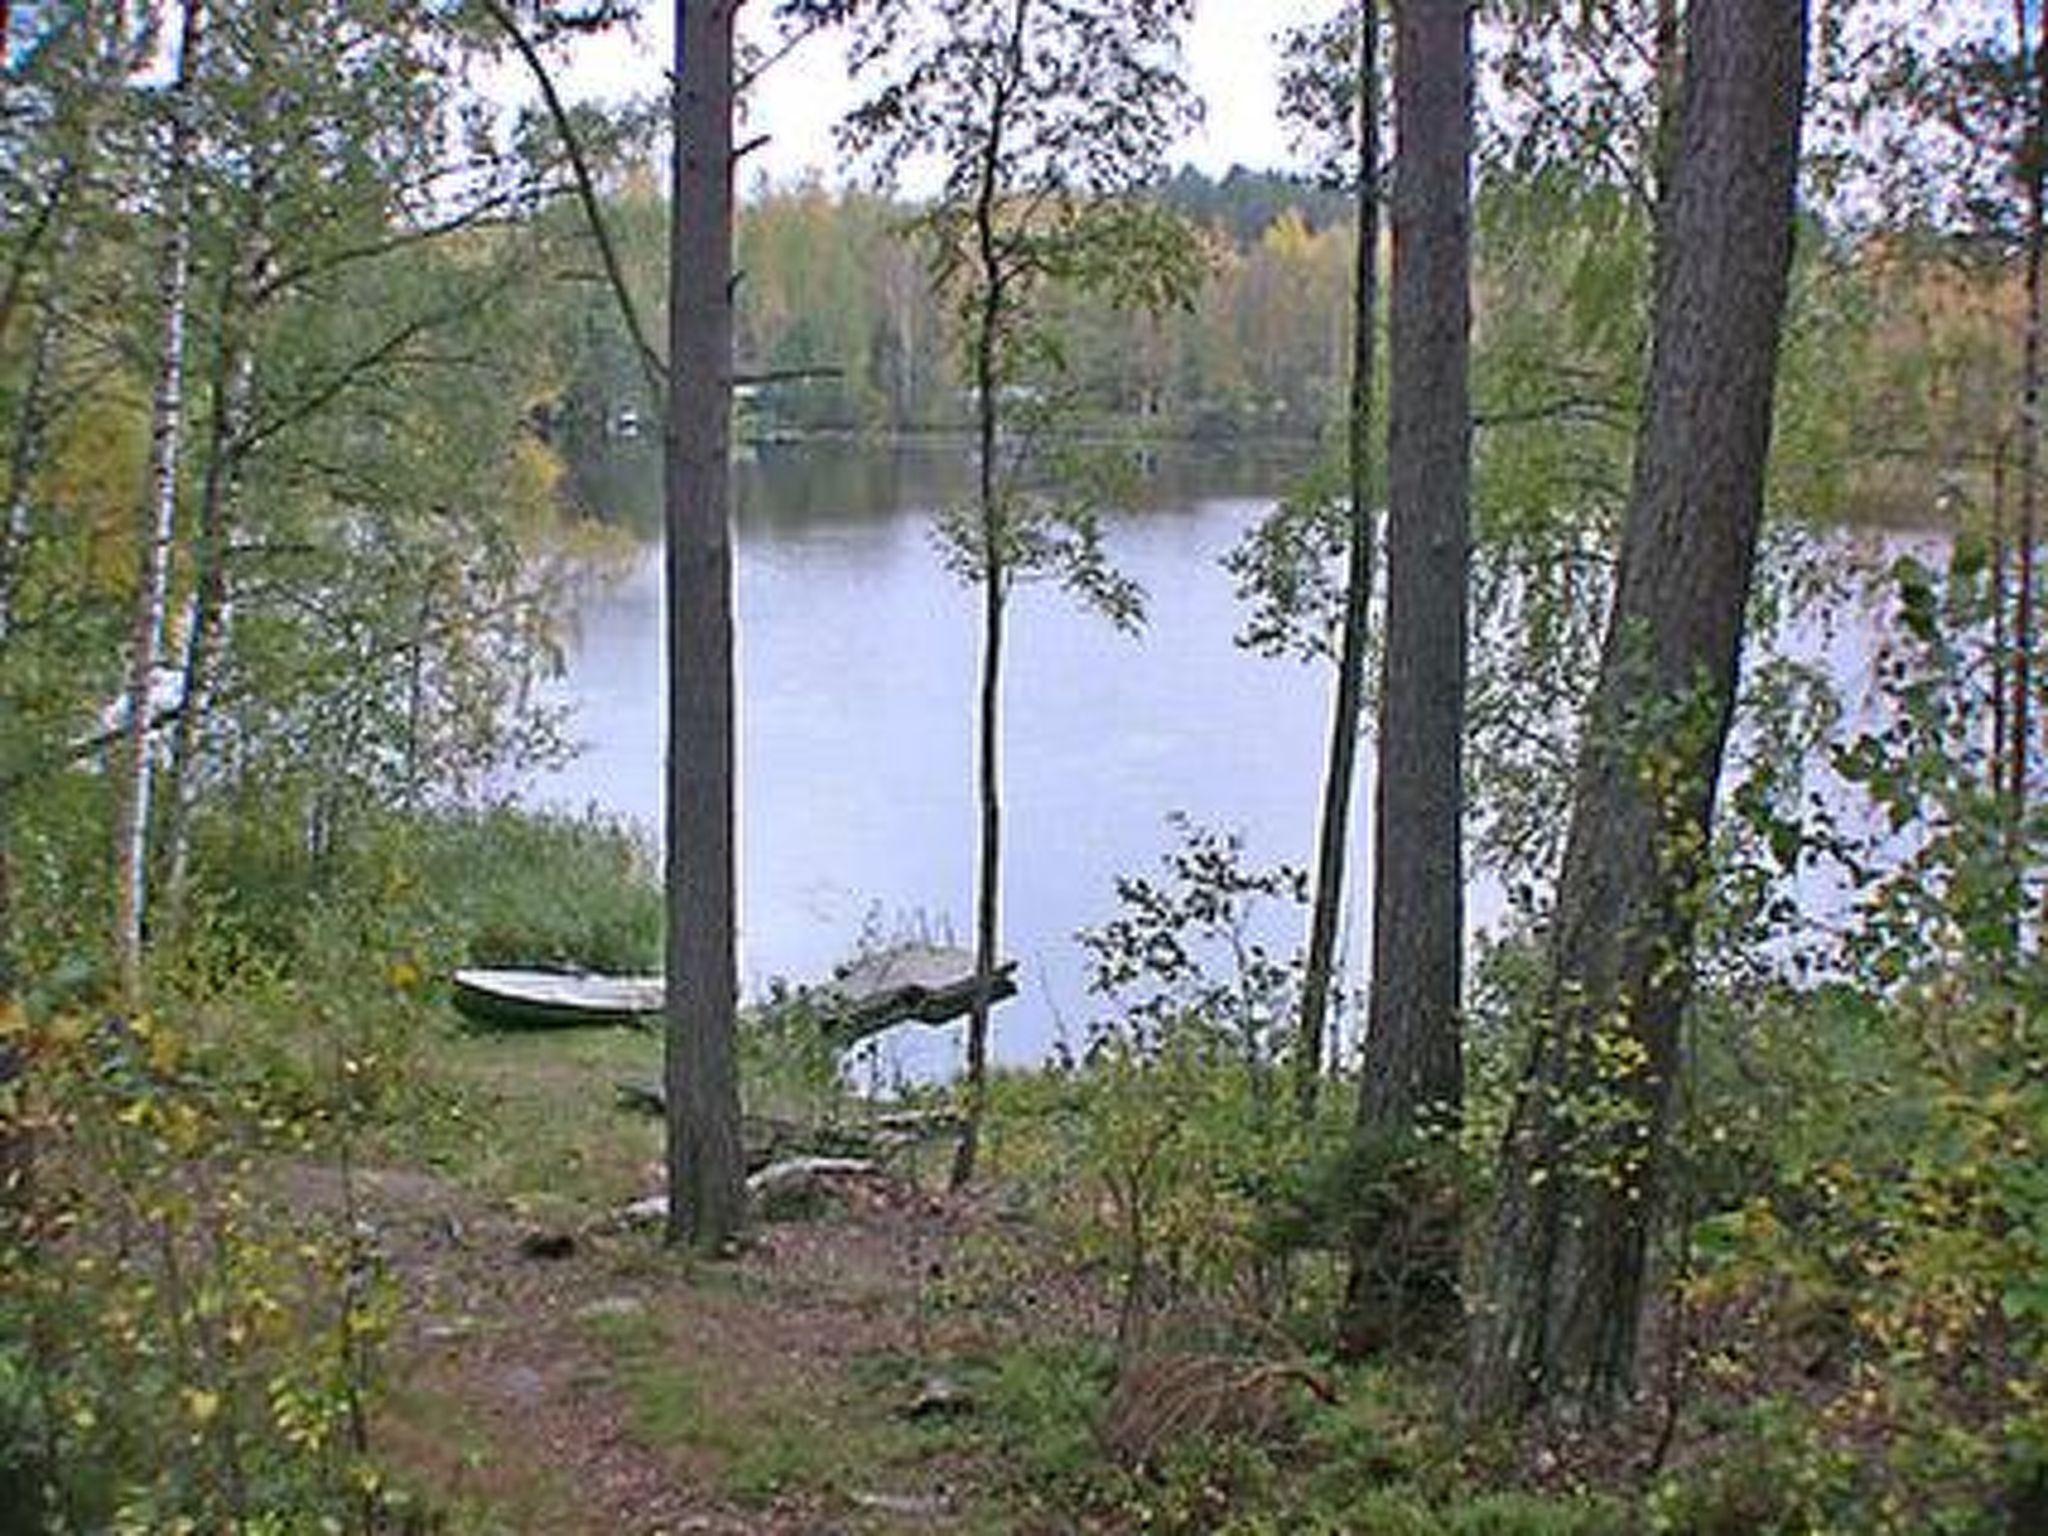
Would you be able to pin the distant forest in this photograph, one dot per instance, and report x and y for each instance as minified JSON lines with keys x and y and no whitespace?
{"x":839,"y":321}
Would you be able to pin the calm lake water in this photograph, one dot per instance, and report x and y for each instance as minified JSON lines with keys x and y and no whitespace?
{"x":858,"y":653}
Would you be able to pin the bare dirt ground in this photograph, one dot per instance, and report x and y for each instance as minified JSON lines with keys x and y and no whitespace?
{"x":580,"y":1377}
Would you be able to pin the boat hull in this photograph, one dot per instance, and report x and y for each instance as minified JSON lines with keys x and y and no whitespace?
{"x":507,"y":999}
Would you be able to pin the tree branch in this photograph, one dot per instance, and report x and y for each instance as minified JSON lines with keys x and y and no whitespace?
{"x":32,"y":237}
{"x":652,"y":364}
{"x":1566,"y":408}
{"x":476,"y":217}
{"x":349,"y":373}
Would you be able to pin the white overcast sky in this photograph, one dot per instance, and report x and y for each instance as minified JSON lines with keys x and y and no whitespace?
{"x":1231,"y":58}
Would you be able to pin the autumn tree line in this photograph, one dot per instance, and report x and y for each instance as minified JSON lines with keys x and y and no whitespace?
{"x":836,"y":312}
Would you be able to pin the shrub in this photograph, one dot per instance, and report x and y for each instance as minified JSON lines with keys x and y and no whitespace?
{"x":185,"y":1351}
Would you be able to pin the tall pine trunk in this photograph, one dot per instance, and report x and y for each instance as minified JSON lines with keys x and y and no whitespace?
{"x":704,"y":1159}
{"x":1404,"y":1261}
{"x":1586,"y":1142}
{"x":1340,"y":770}
{"x":156,"y":525}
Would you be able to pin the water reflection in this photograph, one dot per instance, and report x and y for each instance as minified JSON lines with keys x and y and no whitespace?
{"x":791,"y":487}
{"x":857,"y":655}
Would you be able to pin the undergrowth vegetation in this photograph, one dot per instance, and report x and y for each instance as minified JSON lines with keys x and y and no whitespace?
{"x":180,"y":1347}
{"x":1851,"y":1331}
{"x":189,"y":1334}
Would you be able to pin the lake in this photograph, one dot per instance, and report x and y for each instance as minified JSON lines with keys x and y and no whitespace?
{"x":858,"y":655}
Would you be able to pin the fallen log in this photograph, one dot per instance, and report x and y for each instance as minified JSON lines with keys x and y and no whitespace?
{"x":766,"y":1138}
{"x":798,"y":1178}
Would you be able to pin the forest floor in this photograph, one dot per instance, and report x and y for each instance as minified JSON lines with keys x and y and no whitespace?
{"x":882,"y":1356}
{"x":879,"y":1355}
{"x":553,"y":1367}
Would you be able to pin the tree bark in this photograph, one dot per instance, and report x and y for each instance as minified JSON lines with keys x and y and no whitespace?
{"x":1413,"y":1070}
{"x":25,"y":458}
{"x":1581,"y":1163}
{"x":232,"y":386}
{"x":157,"y":525}
{"x":1340,"y":771}
{"x":2035,"y":177}
{"x":706,"y":1195}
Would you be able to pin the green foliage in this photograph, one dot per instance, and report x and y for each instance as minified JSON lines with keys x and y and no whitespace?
{"x":1048,"y":1400}
{"x":1176,"y":1160}
{"x":61,"y":890}
{"x":1862,"y":1145}
{"x":790,"y":1066}
{"x":310,"y":960}
{"x":494,"y":887}
{"x":1245,"y":203}
{"x":519,"y":888}
{"x":192,"y":1341}
{"x":1049,"y":505}
{"x":186,"y":1350}
{"x":1289,"y":569}
{"x":1384,"y":1457}
{"x":838,"y":317}
{"x":1398,"y":1512}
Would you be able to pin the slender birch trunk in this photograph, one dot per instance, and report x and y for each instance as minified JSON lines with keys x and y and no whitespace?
{"x":2035,"y":67}
{"x":157,"y":524}
{"x":206,"y":629}
{"x":993,"y":307}
{"x":2001,"y":639}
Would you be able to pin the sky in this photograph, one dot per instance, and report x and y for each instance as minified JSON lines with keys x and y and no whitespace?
{"x":1232,"y":63}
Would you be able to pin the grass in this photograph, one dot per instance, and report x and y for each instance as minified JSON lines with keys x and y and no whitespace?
{"x":454,"y":1466}
{"x":756,"y":1430}
{"x":544,"y":1127}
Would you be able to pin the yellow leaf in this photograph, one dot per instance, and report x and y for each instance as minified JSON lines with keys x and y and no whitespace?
{"x":203,"y":1406}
